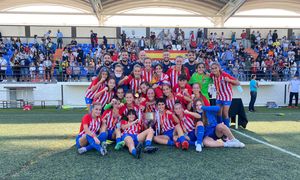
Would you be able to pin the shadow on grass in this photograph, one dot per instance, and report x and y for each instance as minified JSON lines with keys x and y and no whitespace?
{"x":43,"y":137}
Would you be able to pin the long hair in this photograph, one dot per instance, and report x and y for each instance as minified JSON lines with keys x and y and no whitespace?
{"x":204,"y":117}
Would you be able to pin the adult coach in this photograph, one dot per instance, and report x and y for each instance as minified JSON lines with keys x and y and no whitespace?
{"x":253,"y":92}
{"x":294,"y":91}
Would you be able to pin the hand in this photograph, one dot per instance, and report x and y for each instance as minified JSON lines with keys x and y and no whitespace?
{"x":227,"y":79}
{"x":106,"y":89}
{"x":169,"y":112}
{"x":186,"y":111}
{"x":179,"y":95}
{"x":136,"y":121}
{"x":185,"y":92}
{"x":155,"y":86}
{"x":126,"y":77}
{"x":96,"y":140}
{"x":113,"y":101}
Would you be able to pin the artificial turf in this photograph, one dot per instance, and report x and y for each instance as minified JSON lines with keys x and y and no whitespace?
{"x":39,"y":144}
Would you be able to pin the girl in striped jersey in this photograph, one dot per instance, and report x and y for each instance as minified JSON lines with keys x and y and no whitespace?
{"x":158,"y":79}
{"x":132,"y":136}
{"x":171,"y":98}
{"x":176,"y":70}
{"x":148,"y":105}
{"x":111,"y":123}
{"x":167,"y":121}
{"x":134,"y":80}
{"x":214,"y":130}
{"x":105,"y":94}
{"x":128,"y":105}
{"x":147,"y":72}
{"x":89,"y":129}
{"x":188,"y":123}
{"x":197,"y":95}
{"x":96,"y":84}
{"x":223,"y":83}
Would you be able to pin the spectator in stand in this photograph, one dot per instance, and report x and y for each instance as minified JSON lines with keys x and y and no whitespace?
{"x":47,"y":34}
{"x":59,"y":36}
{"x":244,"y":38}
{"x":152,"y":40}
{"x":3,"y":67}
{"x":48,"y":68}
{"x":80,"y":56}
{"x":104,"y":42}
{"x":123,"y":38}
{"x":274,"y":36}
{"x":141,"y":43}
{"x":94,"y":39}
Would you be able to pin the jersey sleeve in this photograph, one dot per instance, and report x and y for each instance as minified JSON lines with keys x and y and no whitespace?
{"x":227,"y":75}
{"x":86,"y":119}
{"x":193,"y":79}
{"x":126,"y":82}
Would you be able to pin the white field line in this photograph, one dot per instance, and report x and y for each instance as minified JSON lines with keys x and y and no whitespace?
{"x":267,"y":144}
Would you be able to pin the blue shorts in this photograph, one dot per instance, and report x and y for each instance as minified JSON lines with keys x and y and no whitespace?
{"x":133,"y":136}
{"x":169,"y":133}
{"x":192,"y":135}
{"x":88,"y":100}
{"x":110,"y":133}
{"x":211,"y":132}
{"x":77,"y":141}
{"x":223,"y":103}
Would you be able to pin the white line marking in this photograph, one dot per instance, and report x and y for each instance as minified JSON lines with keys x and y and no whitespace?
{"x":267,"y":144}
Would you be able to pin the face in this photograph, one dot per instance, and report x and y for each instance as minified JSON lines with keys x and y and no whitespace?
{"x":179,"y":61}
{"x":104,"y":75}
{"x":142,"y":55}
{"x":96,"y":110}
{"x":191,"y":57}
{"x":201,"y":69}
{"x":116,"y":104}
{"x":137,"y":72}
{"x":178,"y":109}
{"x":124,"y":56}
{"x":131,"y":117}
{"x":198,"y":105}
{"x":215,"y":69}
{"x":147,"y":63}
{"x":129,"y":98}
{"x":166,"y":90}
{"x":144,"y":88}
{"x":161,"y":106}
{"x":158,"y":70}
{"x":196,"y":88}
{"x":151,"y":94}
{"x":182,"y":83}
{"x":118,"y":72}
{"x":111,"y":83}
{"x":166,"y":56}
{"x":120,"y":93}
{"x":107,"y":59}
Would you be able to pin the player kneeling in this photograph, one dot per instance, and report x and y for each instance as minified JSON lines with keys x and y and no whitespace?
{"x":89,"y":129}
{"x":111,"y":123}
{"x":166,"y":122}
{"x":214,"y":131}
{"x":133,"y":139}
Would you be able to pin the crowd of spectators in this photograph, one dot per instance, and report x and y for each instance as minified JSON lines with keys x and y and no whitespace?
{"x":277,"y":60}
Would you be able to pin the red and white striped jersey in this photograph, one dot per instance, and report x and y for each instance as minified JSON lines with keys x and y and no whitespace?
{"x":134,"y":84}
{"x":133,"y":129}
{"x":188,"y":87}
{"x":147,"y":76}
{"x":89,"y":93}
{"x":105,"y":97}
{"x":167,"y":122}
{"x":148,"y":107}
{"x":111,"y":121}
{"x":170,"y":102}
{"x":223,"y":88}
{"x":173,"y":75}
{"x":187,"y":122}
{"x":124,"y":109}
{"x":93,"y":124}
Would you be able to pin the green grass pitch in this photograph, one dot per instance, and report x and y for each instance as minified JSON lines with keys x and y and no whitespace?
{"x":39,"y":144}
